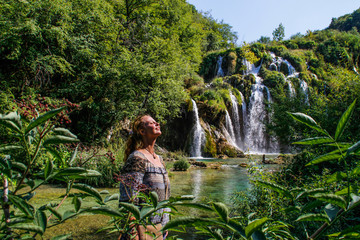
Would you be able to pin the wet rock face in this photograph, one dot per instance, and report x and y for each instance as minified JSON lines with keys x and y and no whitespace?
{"x":225,"y":149}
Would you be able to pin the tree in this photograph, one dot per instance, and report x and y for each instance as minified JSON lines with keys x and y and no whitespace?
{"x":264,"y":39}
{"x":279,"y":33}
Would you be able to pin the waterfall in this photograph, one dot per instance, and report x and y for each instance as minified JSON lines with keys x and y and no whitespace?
{"x":257,"y":140}
{"x":275,"y":65}
{"x":243,"y":108}
{"x":198,"y":134}
{"x":219,"y":71}
{"x":305,"y":89}
{"x":236,"y":118}
{"x":292,"y":92}
{"x":229,"y":127}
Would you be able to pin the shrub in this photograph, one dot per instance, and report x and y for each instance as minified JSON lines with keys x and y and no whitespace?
{"x":181,"y":165}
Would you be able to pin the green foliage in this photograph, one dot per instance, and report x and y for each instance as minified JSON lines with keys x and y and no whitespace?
{"x":346,"y":22}
{"x":279,"y":33}
{"x":224,"y":226}
{"x":32,"y":140}
{"x":116,"y":58}
{"x":181,"y":165}
{"x":327,"y":206}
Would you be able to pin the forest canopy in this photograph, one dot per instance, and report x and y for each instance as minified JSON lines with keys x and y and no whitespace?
{"x":116,"y":58}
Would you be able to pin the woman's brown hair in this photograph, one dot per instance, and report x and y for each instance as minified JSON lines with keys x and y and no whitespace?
{"x":134,"y":142}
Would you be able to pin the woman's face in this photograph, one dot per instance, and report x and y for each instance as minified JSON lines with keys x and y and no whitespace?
{"x":150,"y":127}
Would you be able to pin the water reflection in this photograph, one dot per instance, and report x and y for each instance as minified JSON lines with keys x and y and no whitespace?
{"x":210,"y":184}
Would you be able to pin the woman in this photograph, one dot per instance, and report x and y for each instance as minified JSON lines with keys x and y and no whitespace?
{"x":143,"y":168}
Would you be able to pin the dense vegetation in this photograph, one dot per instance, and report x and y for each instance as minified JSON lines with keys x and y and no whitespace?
{"x":115,"y":58}
{"x":108,"y":61}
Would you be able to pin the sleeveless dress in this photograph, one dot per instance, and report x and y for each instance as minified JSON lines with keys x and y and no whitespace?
{"x":140,"y":175}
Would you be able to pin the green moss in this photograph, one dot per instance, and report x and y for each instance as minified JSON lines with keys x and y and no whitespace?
{"x":231,"y":63}
{"x":210,"y":145}
{"x":272,"y":79}
{"x":230,"y":152}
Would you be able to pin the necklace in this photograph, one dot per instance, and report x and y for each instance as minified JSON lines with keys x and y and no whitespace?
{"x":153,"y":154}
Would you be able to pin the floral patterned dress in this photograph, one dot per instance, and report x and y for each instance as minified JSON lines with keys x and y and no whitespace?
{"x":140,"y":175}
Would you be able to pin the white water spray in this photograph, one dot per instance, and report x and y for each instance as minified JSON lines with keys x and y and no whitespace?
{"x":198,"y":134}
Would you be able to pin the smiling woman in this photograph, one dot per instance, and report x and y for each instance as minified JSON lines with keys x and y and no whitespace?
{"x":144,"y":170}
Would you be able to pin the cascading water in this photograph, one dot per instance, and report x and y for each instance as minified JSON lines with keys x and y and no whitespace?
{"x":236,"y":118}
{"x":257,"y":140}
{"x":230,"y":128}
{"x":305,"y":89}
{"x":219,"y":70}
{"x":198,"y":134}
{"x":275,"y":65}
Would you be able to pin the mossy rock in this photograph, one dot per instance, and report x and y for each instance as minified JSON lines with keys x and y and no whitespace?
{"x":272,"y":79}
{"x":284,"y":68}
{"x":210,"y":145}
{"x":231,"y":63}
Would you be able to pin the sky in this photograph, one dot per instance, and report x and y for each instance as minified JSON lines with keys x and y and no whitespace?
{"x":253,"y":19}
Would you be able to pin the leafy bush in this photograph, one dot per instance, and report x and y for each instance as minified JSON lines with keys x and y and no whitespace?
{"x":181,"y":165}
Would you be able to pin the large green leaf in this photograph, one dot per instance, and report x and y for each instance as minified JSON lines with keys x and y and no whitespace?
{"x":345,"y":191}
{"x":331,"y":198}
{"x":22,"y":205}
{"x":309,"y":121}
{"x":69,"y":214}
{"x":88,"y":189}
{"x":59,"y":139}
{"x":314,"y":141}
{"x":344,"y":120}
{"x":70,"y":171}
{"x":103,"y":210}
{"x":255,"y":226}
{"x":10,"y":148}
{"x":77,"y":203}
{"x":113,"y":197}
{"x":189,"y":221}
{"x":193,"y":205}
{"x":154,"y":199}
{"x":312,"y":205}
{"x":41,"y":220}
{"x":43,"y":118}
{"x":131,"y":208}
{"x":336,"y":177}
{"x":313,"y":217}
{"x":310,"y":192}
{"x":73,"y":156}
{"x":48,"y":168}
{"x":56,"y":213}
{"x":324,"y":158}
{"x":222,"y":210}
{"x":146,"y":211}
{"x":64,"y":132}
{"x":18,"y":166}
{"x":28,"y":227}
{"x":12,"y":121}
{"x":275,"y":187}
{"x":87,"y":174}
{"x":355,"y":171}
